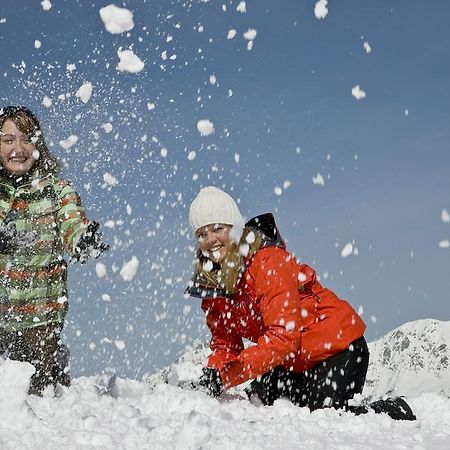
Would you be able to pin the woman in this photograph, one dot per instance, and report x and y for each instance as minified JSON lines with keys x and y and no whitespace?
{"x":42,"y":217}
{"x":309,"y":344}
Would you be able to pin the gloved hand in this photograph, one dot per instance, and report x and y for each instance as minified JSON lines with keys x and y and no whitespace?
{"x":12,"y":240}
{"x":90,"y":244}
{"x":210,"y":382}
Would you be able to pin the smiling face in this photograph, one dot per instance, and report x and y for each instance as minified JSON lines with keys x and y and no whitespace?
{"x":214,"y":241}
{"x":18,"y":153}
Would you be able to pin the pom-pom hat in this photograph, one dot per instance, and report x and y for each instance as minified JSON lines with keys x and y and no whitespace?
{"x":213,"y":205}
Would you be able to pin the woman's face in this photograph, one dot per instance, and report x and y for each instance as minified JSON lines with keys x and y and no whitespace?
{"x":17,"y":151}
{"x":214,"y":241}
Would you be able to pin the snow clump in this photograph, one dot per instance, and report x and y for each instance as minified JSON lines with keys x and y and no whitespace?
{"x":109,"y":179}
{"x":47,"y":101}
{"x":347,"y":250}
{"x":367,"y":47}
{"x":129,"y":62}
{"x":231,"y":34}
{"x":129,"y":269}
{"x":84,"y":93}
{"x":318,"y":179}
{"x":242,"y":7}
{"x":69,"y":142}
{"x":444,"y":244}
{"x":205,"y":127}
{"x":358,"y":93}
{"x":320,"y":9}
{"x":445,"y":216}
{"x":117,"y":20}
{"x":46,"y":5}
{"x":250,"y":35}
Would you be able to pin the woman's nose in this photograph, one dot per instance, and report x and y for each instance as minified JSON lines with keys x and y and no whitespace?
{"x":210,"y":238}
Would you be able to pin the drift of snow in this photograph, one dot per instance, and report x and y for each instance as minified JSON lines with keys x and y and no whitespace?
{"x":46,"y":5}
{"x":69,"y":142}
{"x":445,"y":216}
{"x":84,"y":93}
{"x":320,"y":9}
{"x":358,"y":93}
{"x":205,"y":127}
{"x":129,"y":269}
{"x":129,"y":62}
{"x":117,"y":20}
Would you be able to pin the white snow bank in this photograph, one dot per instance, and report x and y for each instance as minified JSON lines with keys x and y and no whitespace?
{"x":117,"y":20}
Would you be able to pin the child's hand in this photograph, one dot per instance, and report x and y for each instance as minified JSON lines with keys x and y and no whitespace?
{"x":12,"y":240}
{"x":90,"y":244}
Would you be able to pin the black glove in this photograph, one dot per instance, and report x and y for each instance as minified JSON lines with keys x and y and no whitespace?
{"x":90,"y":244}
{"x":210,"y":382}
{"x":12,"y":240}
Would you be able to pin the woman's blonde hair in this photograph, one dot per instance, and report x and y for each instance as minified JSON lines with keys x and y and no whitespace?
{"x":28,"y":124}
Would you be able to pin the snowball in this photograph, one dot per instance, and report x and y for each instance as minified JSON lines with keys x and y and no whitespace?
{"x":129,"y":269}
{"x":69,"y":142}
{"x":250,"y":34}
{"x":107,"y":127}
{"x":117,"y":20}
{"x":37,"y":43}
{"x":444,"y":244}
{"x":242,"y":7}
{"x":367,"y":47}
{"x":47,"y":101}
{"x":320,"y":9}
{"x":100,"y":269}
{"x":445,"y":216}
{"x":358,"y":93}
{"x":347,"y":250}
{"x":84,"y":92}
{"x":318,"y":179}
{"x":129,"y":62}
{"x":231,"y":34}
{"x":119,"y":344}
{"x":205,"y":127}
{"x":46,"y":5}
{"x":110,"y":179}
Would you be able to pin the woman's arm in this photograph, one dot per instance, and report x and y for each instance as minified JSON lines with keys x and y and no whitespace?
{"x":275,"y":274}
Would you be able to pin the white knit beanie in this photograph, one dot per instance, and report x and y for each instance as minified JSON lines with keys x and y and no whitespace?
{"x":214,"y":206}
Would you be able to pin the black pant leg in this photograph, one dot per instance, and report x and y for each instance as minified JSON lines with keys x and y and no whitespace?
{"x":333,"y":382}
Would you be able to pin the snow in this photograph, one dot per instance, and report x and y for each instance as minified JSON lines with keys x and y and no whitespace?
{"x":320,"y":9}
{"x":100,"y":270}
{"x":347,"y":250}
{"x":358,"y":93}
{"x":37,"y":43}
{"x":116,"y":20}
{"x":129,"y":269}
{"x":47,"y":101}
{"x":106,"y":412}
{"x":129,"y":62}
{"x":69,"y":142}
{"x":84,"y":92}
{"x":367,"y":47}
{"x":445,"y":216}
{"x":46,"y":5}
{"x":205,"y":127}
{"x":110,"y":180}
{"x":444,"y":244}
{"x":242,"y":7}
{"x":318,"y":179}
{"x":231,"y":34}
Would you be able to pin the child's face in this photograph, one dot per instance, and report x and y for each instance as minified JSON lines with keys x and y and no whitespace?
{"x":17,"y":150}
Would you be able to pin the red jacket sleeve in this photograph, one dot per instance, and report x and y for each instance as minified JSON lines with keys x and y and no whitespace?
{"x":275,"y":274}
{"x":224,"y":345}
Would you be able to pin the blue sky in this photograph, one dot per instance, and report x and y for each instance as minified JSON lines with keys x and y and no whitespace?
{"x":385,"y":159}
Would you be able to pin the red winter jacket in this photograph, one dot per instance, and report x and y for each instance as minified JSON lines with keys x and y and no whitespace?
{"x":279,"y":305}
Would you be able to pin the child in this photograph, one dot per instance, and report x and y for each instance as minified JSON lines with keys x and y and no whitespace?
{"x":309,"y":344}
{"x":42,"y":217}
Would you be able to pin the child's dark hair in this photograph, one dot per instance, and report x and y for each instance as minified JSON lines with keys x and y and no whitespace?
{"x":28,"y":124}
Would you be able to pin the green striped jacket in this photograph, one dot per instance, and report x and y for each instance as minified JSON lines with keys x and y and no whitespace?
{"x":33,"y":280}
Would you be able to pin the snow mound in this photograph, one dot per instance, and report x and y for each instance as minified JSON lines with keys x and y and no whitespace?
{"x":410,"y":360}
